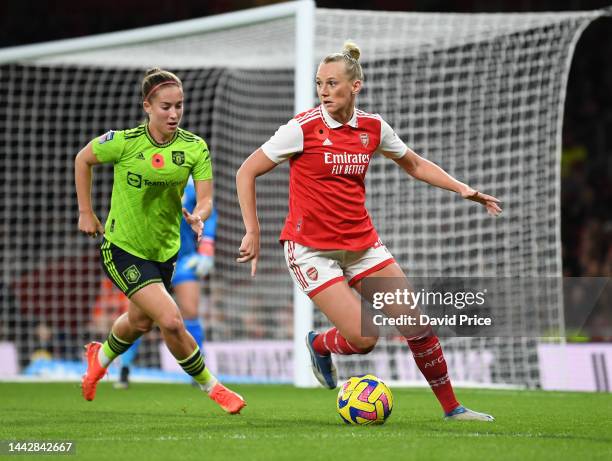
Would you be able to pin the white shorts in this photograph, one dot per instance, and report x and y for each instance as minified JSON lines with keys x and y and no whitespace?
{"x":314,"y":270}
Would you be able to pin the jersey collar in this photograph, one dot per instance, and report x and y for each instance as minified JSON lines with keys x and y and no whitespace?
{"x":154,"y":142}
{"x":333,"y":124}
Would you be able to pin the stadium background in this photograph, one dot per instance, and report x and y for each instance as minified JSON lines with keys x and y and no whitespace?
{"x":587,"y":185}
{"x":160,"y":422}
{"x":586,"y":166}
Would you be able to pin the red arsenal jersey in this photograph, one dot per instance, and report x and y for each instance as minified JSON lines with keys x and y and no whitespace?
{"x":328,"y":164}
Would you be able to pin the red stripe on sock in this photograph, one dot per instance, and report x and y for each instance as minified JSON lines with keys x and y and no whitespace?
{"x":429,"y":357}
{"x":332,"y":341}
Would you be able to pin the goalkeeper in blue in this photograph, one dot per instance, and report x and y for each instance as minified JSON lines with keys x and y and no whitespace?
{"x":194,"y":263}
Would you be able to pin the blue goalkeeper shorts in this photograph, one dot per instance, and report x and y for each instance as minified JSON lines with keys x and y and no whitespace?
{"x":183,"y":273}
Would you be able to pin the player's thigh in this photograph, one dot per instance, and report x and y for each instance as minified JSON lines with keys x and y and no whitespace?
{"x":342,"y":307}
{"x":188,"y":298}
{"x":155,"y":301}
{"x":392,"y":271}
{"x":138,"y":318}
{"x":391,"y":279}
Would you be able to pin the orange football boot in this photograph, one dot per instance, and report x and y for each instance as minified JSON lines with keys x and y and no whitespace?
{"x":94,"y":372}
{"x":228,"y":400}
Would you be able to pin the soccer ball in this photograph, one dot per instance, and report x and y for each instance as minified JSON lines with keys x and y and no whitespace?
{"x":364,"y":400}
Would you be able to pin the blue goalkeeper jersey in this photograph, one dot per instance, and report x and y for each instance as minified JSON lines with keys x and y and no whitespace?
{"x":189,"y":244}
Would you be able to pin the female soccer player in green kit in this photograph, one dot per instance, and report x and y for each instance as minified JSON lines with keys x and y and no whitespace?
{"x":152,"y":164}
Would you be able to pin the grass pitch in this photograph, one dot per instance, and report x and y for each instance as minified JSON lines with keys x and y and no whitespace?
{"x":178,"y":422}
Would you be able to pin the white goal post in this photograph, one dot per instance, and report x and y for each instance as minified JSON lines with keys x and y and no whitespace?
{"x":480,"y":94}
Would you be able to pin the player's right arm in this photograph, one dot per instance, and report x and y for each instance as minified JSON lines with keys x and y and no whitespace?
{"x":107,"y":148}
{"x":287,"y":141}
{"x":256,"y":165}
{"x":88,"y":221}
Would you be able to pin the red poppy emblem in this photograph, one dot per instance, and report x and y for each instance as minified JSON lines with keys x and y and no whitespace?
{"x":157,"y":161}
{"x":321,"y":132}
{"x":312,"y":274}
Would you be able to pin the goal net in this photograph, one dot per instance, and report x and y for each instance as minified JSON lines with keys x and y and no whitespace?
{"x":481,"y":95}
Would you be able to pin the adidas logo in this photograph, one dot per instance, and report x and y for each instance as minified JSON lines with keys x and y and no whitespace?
{"x":327,"y":142}
{"x":140,"y":156}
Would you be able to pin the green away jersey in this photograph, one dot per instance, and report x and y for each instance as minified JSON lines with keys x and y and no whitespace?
{"x":149,"y":179}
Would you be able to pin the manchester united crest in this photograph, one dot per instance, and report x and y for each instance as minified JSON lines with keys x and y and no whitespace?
{"x":178,"y":157}
{"x":365,"y":139}
{"x":132,"y":274}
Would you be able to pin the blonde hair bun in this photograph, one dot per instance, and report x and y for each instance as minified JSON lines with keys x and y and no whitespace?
{"x":351,"y":49}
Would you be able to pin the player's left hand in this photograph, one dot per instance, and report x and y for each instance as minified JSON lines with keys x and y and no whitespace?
{"x":490,"y":203}
{"x":195,"y":222}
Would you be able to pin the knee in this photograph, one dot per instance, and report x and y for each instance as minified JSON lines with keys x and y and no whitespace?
{"x":171,"y":324}
{"x":143,"y":326}
{"x":139,"y":323}
{"x":363,"y":344}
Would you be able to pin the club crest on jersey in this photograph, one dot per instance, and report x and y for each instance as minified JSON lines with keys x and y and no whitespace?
{"x":178,"y":157}
{"x":157,"y":161}
{"x":365,"y":139}
{"x":109,"y":135}
{"x":312,"y":274}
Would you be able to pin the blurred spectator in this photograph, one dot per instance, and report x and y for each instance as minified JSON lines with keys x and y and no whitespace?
{"x":43,"y":343}
{"x":110,"y":304}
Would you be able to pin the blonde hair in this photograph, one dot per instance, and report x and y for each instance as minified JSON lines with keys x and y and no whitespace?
{"x":154,"y":79}
{"x":350,"y":56}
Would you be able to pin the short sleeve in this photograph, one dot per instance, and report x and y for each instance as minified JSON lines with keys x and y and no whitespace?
{"x":202,"y":169}
{"x":286,"y":142}
{"x":390,"y":143}
{"x":109,"y":147}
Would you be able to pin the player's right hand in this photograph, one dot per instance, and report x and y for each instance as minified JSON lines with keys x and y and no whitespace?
{"x":90,"y":224}
{"x":249,"y":250}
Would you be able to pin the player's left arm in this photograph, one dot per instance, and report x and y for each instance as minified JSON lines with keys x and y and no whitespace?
{"x":203,"y":208}
{"x":393,"y":147}
{"x":427,"y":171}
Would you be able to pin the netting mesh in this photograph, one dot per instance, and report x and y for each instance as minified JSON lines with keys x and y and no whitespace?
{"x":481,"y":95}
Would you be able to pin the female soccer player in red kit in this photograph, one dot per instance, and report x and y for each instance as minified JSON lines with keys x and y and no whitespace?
{"x":330,"y":243}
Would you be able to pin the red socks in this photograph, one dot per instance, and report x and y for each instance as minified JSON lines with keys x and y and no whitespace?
{"x":429,"y":358}
{"x":332,"y":341}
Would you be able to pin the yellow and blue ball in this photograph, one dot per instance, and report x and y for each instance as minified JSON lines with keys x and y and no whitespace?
{"x":364,"y":400}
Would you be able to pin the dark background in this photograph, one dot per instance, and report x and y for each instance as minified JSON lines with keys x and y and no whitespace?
{"x":586,"y":165}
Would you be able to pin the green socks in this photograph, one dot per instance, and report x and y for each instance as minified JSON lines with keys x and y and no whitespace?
{"x":112,"y":348}
{"x":194,"y":366}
